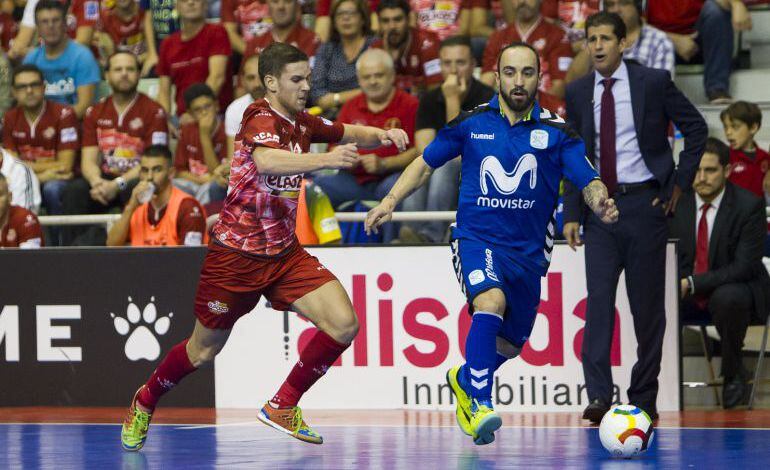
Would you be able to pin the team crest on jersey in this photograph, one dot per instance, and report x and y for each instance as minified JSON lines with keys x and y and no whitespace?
{"x":539,"y":44}
{"x":392,"y":123}
{"x":49,"y":133}
{"x":538,"y":139}
{"x":136,"y":124}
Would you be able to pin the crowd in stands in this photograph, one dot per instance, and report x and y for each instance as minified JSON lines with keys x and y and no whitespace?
{"x":79,"y":137}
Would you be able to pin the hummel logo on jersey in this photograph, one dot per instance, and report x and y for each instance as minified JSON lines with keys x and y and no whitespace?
{"x":506,"y":183}
{"x":482,"y":136}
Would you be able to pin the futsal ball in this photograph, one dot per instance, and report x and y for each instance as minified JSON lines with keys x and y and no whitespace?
{"x":626,"y":431}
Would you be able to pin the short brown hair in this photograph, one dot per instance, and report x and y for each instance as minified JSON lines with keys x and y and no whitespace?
{"x":718,"y":148}
{"x":743,"y":111}
{"x":276,"y":56}
{"x":363,"y":9}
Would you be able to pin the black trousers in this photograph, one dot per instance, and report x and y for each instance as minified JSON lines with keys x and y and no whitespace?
{"x":636,"y":244}
{"x":76,"y":200}
{"x":729,"y":307}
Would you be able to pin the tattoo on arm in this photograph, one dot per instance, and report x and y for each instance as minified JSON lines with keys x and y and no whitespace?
{"x":594,"y":194}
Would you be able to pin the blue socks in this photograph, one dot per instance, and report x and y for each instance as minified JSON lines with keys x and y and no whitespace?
{"x":481,"y":358}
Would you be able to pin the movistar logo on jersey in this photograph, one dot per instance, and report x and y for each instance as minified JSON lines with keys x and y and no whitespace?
{"x":493,"y":175}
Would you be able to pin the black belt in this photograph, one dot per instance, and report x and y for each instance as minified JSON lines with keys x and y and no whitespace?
{"x":628,"y":188}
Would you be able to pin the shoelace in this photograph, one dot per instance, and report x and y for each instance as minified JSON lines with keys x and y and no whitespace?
{"x":141,"y":421}
{"x":296,"y":420}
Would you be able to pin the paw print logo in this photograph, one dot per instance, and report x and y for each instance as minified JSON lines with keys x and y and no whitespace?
{"x":142,"y":328}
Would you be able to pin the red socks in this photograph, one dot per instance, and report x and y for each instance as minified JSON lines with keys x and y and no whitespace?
{"x":174,"y":367}
{"x":319,"y":354}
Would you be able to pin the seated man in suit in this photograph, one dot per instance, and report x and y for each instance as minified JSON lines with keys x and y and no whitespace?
{"x":721,"y":230}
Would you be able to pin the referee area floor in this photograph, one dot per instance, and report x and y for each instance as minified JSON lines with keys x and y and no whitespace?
{"x":64,"y":438}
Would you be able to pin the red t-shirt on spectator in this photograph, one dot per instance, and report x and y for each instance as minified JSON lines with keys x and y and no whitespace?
{"x":22,"y":230}
{"x":127,"y":36}
{"x":548,"y":39}
{"x":187,"y":62}
{"x":747,"y":172}
{"x":252,"y":16}
{"x":189,"y":153}
{"x":439,"y":16}
{"x":121,"y":139}
{"x":82,"y":13}
{"x":399,"y":114}
{"x":301,"y":38}
{"x":674,"y":17}
{"x":8,"y":30}
{"x":55,"y":129}
{"x":419,"y":65}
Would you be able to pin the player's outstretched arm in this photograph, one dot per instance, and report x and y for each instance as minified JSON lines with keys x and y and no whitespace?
{"x":370,"y":137}
{"x":596,"y":197}
{"x":279,"y":162}
{"x":415,"y":175}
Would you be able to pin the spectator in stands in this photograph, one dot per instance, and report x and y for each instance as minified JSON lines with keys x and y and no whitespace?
{"x":9,"y":27}
{"x":323,"y":24}
{"x":43,"y":134}
{"x":548,"y":39}
{"x":115,"y":133}
{"x":720,"y":264}
{"x":380,"y":105}
{"x":199,"y":52}
{"x":499,"y":11}
{"x":70,"y":70}
{"x":703,"y":26}
{"x":80,"y":16}
{"x":459,"y":92}
{"x":22,"y":182}
{"x":748,"y":163}
{"x":334,"y":80}
{"x":249,"y":79}
{"x":19,"y":228}
{"x":287,"y":28}
{"x":6,"y":97}
{"x":414,"y":51}
{"x":245,"y":19}
{"x":202,"y":143}
{"x":121,"y":28}
{"x":161,"y":20}
{"x":445,"y":18}
{"x":645,"y":44}
{"x":158,"y":214}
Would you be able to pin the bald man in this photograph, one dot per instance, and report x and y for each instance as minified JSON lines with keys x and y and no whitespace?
{"x":382,"y":105}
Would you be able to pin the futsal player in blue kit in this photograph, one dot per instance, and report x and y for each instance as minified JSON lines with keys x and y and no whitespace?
{"x":513,"y":157}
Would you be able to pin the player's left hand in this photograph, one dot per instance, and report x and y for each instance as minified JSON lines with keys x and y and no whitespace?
{"x":379,"y":215}
{"x":609,"y":211}
{"x":396,"y":137}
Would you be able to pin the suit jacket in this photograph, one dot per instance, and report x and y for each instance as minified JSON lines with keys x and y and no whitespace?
{"x":735,"y":247}
{"x":655,"y":101}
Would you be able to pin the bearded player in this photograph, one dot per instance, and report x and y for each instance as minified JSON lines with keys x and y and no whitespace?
{"x":254,"y":251}
{"x":514,"y":155}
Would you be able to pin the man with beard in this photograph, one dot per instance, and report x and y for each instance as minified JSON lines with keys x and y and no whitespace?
{"x":414,"y":51}
{"x":287,"y":28}
{"x":549,"y":40}
{"x":622,"y":111}
{"x":115,"y":132}
{"x":513,"y":156}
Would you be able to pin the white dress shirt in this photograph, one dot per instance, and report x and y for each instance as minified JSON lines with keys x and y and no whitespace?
{"x":711,"y":214}
{"x":630,"y":164}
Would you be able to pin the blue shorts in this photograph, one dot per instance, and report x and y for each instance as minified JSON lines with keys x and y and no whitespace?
{"x":480,"y":267}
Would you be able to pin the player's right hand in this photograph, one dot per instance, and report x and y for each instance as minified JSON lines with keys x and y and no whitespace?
{"x":379,"y":215}
{"x":342,"y":157}
{"x":572,"y":234}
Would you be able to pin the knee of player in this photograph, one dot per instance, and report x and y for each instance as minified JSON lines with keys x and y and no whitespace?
{"x":202,"y":355}
{"x":344,"y":328}
{"x":492,"y":301}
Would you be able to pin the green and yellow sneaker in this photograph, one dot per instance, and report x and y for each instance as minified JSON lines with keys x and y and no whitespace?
{"x":289,"y":420}
{"x":463,"y":411}
{"x":484,"y":422}
{"x":135,"y":427}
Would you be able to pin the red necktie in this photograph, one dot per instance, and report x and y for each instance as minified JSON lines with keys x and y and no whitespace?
{"x":702,"y":242}
{"x":607,"y":141}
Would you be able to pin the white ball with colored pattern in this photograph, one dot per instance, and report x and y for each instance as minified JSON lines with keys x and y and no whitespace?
{"x":626,"y":431}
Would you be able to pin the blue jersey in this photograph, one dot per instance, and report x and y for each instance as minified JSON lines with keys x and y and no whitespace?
{"x":510,"y":175}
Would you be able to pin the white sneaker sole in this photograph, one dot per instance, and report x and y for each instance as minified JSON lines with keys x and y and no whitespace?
{"x":486,"y":432}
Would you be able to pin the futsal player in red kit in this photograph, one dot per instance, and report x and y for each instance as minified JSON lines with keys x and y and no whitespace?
{"x":254,"y":251}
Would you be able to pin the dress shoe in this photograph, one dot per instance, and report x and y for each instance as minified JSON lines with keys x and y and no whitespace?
{"x":596,"y":410}
{"x":735,"y":392}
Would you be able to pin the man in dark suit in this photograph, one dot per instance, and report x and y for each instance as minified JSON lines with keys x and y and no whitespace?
{"x":721,"y":230}
{"x":623,"y":110}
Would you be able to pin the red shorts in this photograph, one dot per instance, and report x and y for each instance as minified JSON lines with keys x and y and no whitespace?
{"x":232,"y":282}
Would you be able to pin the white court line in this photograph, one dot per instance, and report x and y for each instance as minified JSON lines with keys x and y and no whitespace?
{"x":183,"y":426}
